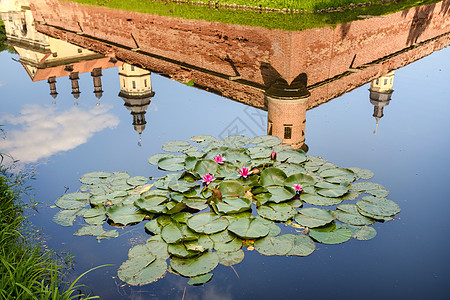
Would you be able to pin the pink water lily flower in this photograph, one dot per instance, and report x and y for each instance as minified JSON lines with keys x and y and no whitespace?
{"x":219,"y":159}
{"x":298,"y":188}
{"x":244,"y":172}
{"x":208,"y":178}
{"x":273,"y":155}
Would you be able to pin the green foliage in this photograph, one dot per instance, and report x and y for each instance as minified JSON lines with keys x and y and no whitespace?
{"x":198,"y":223}
{"x":27,"y":270}
{"x":262,"y":19}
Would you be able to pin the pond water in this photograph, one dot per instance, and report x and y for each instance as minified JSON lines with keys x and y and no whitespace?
{"x":62,"y":138}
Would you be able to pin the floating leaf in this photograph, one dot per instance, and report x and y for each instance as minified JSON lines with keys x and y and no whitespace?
{"x":338,"y":175}
{"x":303,"y":246}
{"x":314,"y":217}
{"x":327,"y":189}
{"x":364,"y":233}
{"x":349,"y":214}
{"x":266,"y":140}
{"x":280,"y":193}
{"x":156,"y":157}
{"x":374,"y":189}
{"x":278,"y":245}
{"x":378,"y":206}
{"x":176,"y":146}
{"x":195,"y":266}
{"x":124,"y":214}
{"x":203,"y":139}
{"x":195,"y":203}
{"x":72,"y":200}
{"x":180,"y":250}
{"x":299,"y":178}
{"x":290,"y":169}
{"x":94,"y":177}
{"x":259,"y":152}
{"x":205,"y":166}
{"x":94,"y":230}
{"x":277,"y":212}
{"x":222,"y":236}
{"x":142,"y":270}
{"x":207,"y":223}
{"x":314,"y":199}
{"x":230,"y":258}
{"x":66,"y":217}
{"x":273,"y":176}
{"x":137,"y":180}
{"x":153,"y":204}
{"x":182,"y":186}
{"x":172,"y":233}
{"x":291,"y":156}
{"x":362,"y":173}
{"x":230,"y":246}
{"x":232,"y":205}
{"x":248,"y":228}
{"x":236,"y":140}
{"x":330,"y":234}
{"x":175,"y":163}
{"x":199,"y":280}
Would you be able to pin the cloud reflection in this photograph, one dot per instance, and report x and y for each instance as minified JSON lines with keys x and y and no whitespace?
{"x":44,"y":131}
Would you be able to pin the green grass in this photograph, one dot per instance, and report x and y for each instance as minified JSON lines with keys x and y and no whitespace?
{"x":260,"y":19}
{"x":3,"y":46}
{"x":27,"y":270}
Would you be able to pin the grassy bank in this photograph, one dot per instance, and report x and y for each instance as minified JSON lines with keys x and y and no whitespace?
{"x":272,"y":20}
{"x":27,"y":270}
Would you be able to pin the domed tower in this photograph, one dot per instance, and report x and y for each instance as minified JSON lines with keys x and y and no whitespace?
{"x":286,"y":106}
{"x":136,"y":91}
{"x":381,"y":90}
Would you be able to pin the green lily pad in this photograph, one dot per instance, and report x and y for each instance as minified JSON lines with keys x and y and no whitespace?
{"x":232,"y":205}
{"x":156,"y":157}
{"x":332,"y":190}
{"x":374,"y":189}
{"x":303,"y":246}
{"x":273,"y":176}
{"x":349,"y":214}
{"x":236,"y":140}
{"x":235,"y":155}
{"x":175,"y":163}
{"x":153,"y":226}
{"x":277,"y":212}
{"x":203,"y":139}
{"x":291,"y":156}
{"x":290,"y":169}
{"x":231,"y":187}
{"x":230,"y":258}
{"x":330,"y":234}
{"x":338,"y":175}
{"x":259,"y":152}
{"x":277,"y":245}
{"x":195,"y":203}
{"x":222,"y":236}
{"x":207,"y":223}
{"x":230,"y":246}
{"x":172,"y":233}
{"x":205,"y":166}
{"x":362,"y":173}
{"x":299,"y":178}
{"x":156,"y":248}
{"x":280,"y":193}
{"x":314,"y":199}
{"x":75,"y":200}
{"x":199,"y":280}
{"x":364,"y":233}
{"x":180,"y":250}
{"x":191,"y":267}
{"x":137,"y":180}
{"x":176,"y":146}
{"x":66,"y":217}
{"x":227,"y":170}
{"x":266,"y":140}
{"x":248,"y":228}
{"x":94,"y":230}
{"x":142,"y":270}
{"x":378,"y":206}
{"x":182,"y":186}
{"x":314,"y":217}
{"x":153,"y":204}
{"x":124,"y":214}
{"x":95,"y":177}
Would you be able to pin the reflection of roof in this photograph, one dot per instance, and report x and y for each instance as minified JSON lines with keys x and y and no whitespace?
{"x":80,"y":67}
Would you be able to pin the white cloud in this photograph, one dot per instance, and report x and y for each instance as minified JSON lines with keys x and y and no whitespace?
{"x":44,"y":131}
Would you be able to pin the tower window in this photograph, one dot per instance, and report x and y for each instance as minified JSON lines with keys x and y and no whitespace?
{"x":132,"y":68}
{"x":385,"y":81}
{"x":134,"y":84}
{"x":377,"y":81}
{"x":145,"y":82}
{"x":269,"y":129}
{"x":123,"y":68}
{"x":287,"y":131}
{"x":80,"y":50}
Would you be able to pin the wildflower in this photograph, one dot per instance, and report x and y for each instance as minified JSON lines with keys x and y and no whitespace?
{"x":298,"y":188}
{"x":273,"y":155}
{"x":244,"y":172}
{"x":208,"y":178}
{"x":219,"y":159}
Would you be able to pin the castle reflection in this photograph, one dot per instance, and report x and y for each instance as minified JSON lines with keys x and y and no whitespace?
{"x":283,"y":72}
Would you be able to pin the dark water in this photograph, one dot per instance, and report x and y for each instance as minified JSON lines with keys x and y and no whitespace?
{"x":408,"y":259}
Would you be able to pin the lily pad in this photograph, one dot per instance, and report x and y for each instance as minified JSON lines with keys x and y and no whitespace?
{"x":124,"y":214}
{"x":156,"y":157}
{"x":95,"y":177}
{"x":272,"y":176}
{"x":182,"y":186}
{"x":205,"y":166}
{"x":142,"y":270}
{"x":230,"y":246}
{"x":172,"y":233}
{"x":232,"y":205}
{"x":378,"y":206}
{"x":230,"y":258}
{"x":280,"y":193}
{"x":66,"y":217}
{"x":176,"y":146}
{"x":236,"y":140}
{"x":94,"y":230}
{"x":330,"y":234}
{"x":299,"y":178}
{"x":248,"y":228}
{"x":278,"y":245}
{"x":364,"y":233}
{"x":314,"y":199}
{"x":312,"y":217}
{"x":203,"y":139}
{"x":362,"y":173}
{"x":303,"y":246}
{"x":290,"y":169}
{"x":332,"y":190}
{"x":231,"y":187}
{"x":291,"y":156}
{"x":191,"y":267}
{"x":374,"y":189}
{"x":137,"y":180}
{"x":175,"y":163}
{"x":207,"y":223}
{"x":338,"y":175}
{"x":199,"y":280}
{"x":259,"y":152}
{"x":72,"y":200}
{"x":195,"y":203}
{"x":266,"y":140}
{"x":277,"y":212}
{"x":349,"y":214}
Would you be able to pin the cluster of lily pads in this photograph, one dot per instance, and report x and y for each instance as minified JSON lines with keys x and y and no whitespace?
{"x":221,"y":196}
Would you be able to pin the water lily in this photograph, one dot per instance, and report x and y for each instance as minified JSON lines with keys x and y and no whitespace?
{"x":244,"y":172}
{"x":219,"y":159}
{"x":273,"y":155}
{"x":208,"y":178}
{"x":298,"y":188}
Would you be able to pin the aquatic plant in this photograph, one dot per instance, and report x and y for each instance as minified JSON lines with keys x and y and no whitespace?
{"x":202,"y":213}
